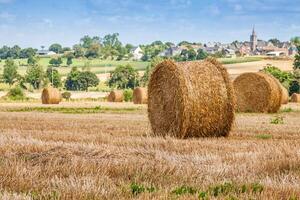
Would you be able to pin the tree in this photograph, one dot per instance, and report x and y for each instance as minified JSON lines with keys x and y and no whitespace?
{"x":54,"y":77}
{"x":201,"y":54}
{"x":72,"y":79}
{"x":32,"y":60}
{"x":275,"y":42}
{"x":111,"y":45}
{"x":93,"y":51}
{"x":87,"y":41}
{"x":297,"y":59}
{"x":124,"y":77}
{"x":87,"y":79}
{"x":295,"y":41}
{"x":27,"y":53}
{"x":188,"y":54}
{"x":69,"y":61}
{"x":149,"y":69}
{"x":78,"y":51}
{"x":14,"y":52}
{"x":10,"y":73}
{"x":57,"y":48}
{"x":56,"y":62}
{"x":35,"y":76}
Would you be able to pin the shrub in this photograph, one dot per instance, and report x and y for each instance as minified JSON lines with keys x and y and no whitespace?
{"x":284,"y":77}
{"x":16,"y":93}
{"x":124,"y":77}
{"x":128,"y":95}
{"x":4,"y":87}
{"x":277,"y":120}
{"x":294,"y":87}
{"x":66,"y":95}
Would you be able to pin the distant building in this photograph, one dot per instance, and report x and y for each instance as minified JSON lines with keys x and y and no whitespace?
{"x":45,"y":53}
{"x":229,"y":53}
{"x":276,"y":53}
{"x":253,"y":41}
{"x":172,"y":51}
{"x":293,"y":51}
{"x":137,"y":53}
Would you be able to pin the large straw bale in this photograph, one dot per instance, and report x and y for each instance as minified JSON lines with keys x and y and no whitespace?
{"x":257,"y":92}
{"x":295,"y":98}
{"x":140,"y":95}
{"x":115,"y":96}
{"x":190,"y":99}
{"x":51,"y":95}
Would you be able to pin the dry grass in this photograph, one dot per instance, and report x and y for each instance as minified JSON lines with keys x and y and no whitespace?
{"x":114,"y":156}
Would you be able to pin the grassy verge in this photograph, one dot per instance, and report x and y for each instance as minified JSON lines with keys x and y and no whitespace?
{"x":227,"y":61}
{"x":66,"y":110}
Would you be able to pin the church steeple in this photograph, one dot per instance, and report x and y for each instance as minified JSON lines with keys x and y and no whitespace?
{"x":253,"y":40}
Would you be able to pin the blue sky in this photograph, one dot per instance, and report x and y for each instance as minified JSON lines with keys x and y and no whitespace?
{"x":42,"y":22}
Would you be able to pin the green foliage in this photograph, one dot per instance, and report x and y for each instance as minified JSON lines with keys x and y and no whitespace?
{"x":277,"y":120}
{"x":69,"y":61}
{"x":78,"y":51}
{"x":66,"y":95}
{"x":32,"y":60}
{"x":138,"y":189}
{"x":93,"y":51}
{"x":35,"y":76}
{"x":282,"y":76}
{"x":294,"y":87}
{"x":87,"y":41}
{"x":297,"y":58}
{"x":263,"y":136}
{"x":287,"y":110}
{"x":111,"y":46}
{"x":87,"y":79}
{"x":16,"y":93}
{"x":54,"y":77}
{"x":10,"y":73}
{"x":184,"y":190}
{"x":57,"y":48}
{"x":124,"y":77}
{"x":154,"y":61}
{"x":128,"y":95}
{"x":56,"y":62}
{"x":72,"y":79}
{"x":4,"y":86}
{"x":77,"y":80}
{"x":201,"y":54}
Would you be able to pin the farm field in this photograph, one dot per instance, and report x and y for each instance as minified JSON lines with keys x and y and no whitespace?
{"x":56,"y":151}
{"x":99,"y":66}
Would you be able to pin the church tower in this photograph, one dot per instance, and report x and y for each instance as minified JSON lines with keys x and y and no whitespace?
{"x":253,"y":40}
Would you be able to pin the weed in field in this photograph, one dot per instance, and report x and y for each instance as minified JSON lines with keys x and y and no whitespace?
{"x":184,"y":190}
{"x":277,"y":120}
{"x":138,"y":188}
{"x":287,"y":110}
{"x":263,"y":136}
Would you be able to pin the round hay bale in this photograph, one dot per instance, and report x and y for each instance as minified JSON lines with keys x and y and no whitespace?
{"x":257,"y":92}
{"x":140,"y":95}
{"x":295,"y":98}
{"x":115,"y":96}
{"x":285,"y":95}
{"x":51,"y":95}
{"x":190,"y":99}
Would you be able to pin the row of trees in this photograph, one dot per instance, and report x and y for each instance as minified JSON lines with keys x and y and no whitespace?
{"x":36,"y":77}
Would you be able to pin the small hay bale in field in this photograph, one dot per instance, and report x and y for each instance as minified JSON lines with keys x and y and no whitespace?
{"x":190,"y":99}
{"x":51,"y":95}
{"x":295,"y":98}
{"x":140,"y":95}
{"x":115,"y":96}
{"x":285,"y":95}
{"x":257,"y":92}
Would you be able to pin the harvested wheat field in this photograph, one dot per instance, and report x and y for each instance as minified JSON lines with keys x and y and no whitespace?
{"x":46,"y":153}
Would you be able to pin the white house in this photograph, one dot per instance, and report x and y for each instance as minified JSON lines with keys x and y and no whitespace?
{"x":45,"y":53}
{"x":137,"y":53}
{"x":276,"y":53}
{"x":230,"y":53}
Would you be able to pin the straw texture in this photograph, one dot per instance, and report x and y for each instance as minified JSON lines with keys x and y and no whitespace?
{"x":295,"y":98}
{"x":257,"y":92}
{"x":190,"y":99}
{"x":51,"y":95}
{"x":115,"y":96}
{"x":140,"y":95}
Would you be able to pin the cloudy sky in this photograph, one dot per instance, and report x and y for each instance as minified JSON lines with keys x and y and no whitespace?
{"x":42,"y":22}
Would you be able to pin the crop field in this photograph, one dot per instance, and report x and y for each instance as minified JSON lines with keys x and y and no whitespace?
{"x":100,"y":66}
{"x":92,"y":150}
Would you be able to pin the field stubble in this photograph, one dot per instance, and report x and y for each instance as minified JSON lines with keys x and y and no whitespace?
{"x":114,"y":156}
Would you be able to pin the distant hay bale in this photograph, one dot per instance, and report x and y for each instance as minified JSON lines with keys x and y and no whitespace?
{"x":285,"y":95}
{"x":51,"y":95}
{"x":190,"y":99}
{"x":115,"y":96}
{"x":295,"y":98}
{"x":140,"y":95}
{"x":257,"y":92}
